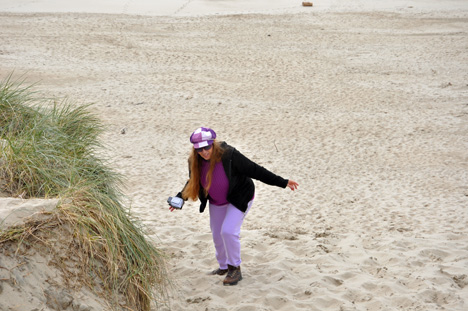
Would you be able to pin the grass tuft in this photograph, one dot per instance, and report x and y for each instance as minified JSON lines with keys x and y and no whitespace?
{"x":49,"y":150}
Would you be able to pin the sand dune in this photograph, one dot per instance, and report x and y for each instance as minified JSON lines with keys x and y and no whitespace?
{"x":366,"y":110}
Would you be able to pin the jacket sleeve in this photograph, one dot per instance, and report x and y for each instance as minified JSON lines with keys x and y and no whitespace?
{"x":179,"y":195}
{"x":245,"y":166}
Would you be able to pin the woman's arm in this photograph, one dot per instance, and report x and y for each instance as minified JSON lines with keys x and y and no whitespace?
{"x":247,"y":167}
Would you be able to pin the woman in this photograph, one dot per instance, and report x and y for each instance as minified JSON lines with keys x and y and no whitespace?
{"x":222,"y":175}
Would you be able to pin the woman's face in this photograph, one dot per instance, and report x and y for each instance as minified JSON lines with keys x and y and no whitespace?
{"x":205,"y":152}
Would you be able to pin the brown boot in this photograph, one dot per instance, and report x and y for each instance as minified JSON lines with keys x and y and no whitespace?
{"x":234,"y":275}
{"x":219,"y":271}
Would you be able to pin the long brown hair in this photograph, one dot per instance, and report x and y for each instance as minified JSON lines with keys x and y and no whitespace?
{"x":192,"y":188}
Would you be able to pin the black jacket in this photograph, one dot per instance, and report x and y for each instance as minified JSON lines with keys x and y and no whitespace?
{"x":240,"y":171}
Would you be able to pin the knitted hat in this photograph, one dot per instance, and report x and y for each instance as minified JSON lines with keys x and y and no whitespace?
{"x":202,"y":137}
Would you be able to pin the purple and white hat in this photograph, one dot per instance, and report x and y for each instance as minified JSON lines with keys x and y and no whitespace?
{"x":202,"y":137}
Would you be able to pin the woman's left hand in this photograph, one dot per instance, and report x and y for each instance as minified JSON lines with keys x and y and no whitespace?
{"x":292,"y":185}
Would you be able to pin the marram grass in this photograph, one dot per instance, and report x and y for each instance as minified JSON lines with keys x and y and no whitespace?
{"x":50,"y":150}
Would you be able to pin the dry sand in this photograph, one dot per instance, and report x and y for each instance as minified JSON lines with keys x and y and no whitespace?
{"x":367,"y":110}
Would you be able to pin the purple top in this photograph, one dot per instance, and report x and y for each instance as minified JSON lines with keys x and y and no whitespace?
{"x":219,"y":183}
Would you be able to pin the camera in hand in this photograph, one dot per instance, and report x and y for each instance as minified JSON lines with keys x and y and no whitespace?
{"x":175,"y":202}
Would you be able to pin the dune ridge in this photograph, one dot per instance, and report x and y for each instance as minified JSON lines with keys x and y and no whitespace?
{"x":366,"y":110}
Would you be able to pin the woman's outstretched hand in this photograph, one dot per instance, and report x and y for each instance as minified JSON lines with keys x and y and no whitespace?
{"x":292,"y":185}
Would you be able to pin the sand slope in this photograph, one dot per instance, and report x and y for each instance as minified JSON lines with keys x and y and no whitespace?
{"x":367,"y":111}
{"x":30,"y":274}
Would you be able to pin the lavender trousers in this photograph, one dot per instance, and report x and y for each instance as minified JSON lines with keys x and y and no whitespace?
{"x":226,"y":221}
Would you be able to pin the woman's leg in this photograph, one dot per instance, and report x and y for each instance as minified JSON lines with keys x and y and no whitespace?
{"x":230,"y":233}
{"x":217,"y":216}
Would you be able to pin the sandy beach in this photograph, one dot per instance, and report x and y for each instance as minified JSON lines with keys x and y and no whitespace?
{"x":365,"y":105}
